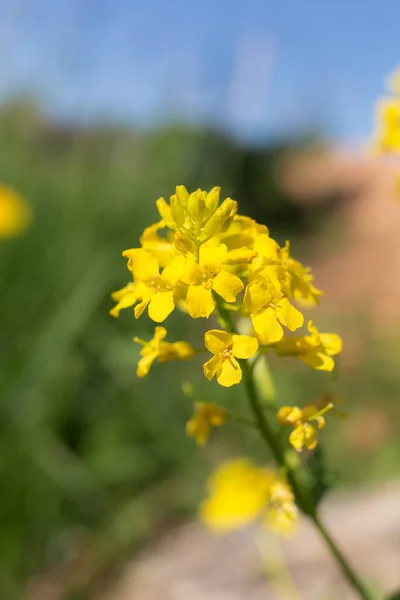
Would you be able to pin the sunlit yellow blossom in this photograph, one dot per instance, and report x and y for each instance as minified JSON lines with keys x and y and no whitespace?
{"x":241,"y":493}
{"x":196,"y":216}
{"x":15,"y":215}
{"x":315,"y":349}
{"x":206,"y":416}
{"x":269,"y":308}
{"x":162,"y":248}
{"x":226,"y":349}
{"x":163,"y":351}
{"x":208,"y":275}
{"x":304,"y":432}
{"x":158,"y":290}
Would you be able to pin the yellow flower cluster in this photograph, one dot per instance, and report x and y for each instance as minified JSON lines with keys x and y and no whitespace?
{"x":241,"y":493}
{"x":211,"y":257}
{"x":304,"y":434}
{"x":386,"y":139}
{"x":15,"y":215}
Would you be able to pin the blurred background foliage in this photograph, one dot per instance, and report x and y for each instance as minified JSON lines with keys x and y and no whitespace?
{"x":93,"y":460}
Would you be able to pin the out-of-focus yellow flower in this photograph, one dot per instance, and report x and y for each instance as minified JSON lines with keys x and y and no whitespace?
{"x":226,"y":348}
{"x":206,"y":416}
{"x":241,"y":493}
{"x":15,"y":214}
{"x":315,"y":349}
{"x":387,"y":136}
{"x":158,"y":291}
{"x":208,"y":275}
{"x":163,"y":351}
{"x":196,"y":217}
{"x":268,"y":308}
{"x":304,"y":434}
{"x":242,"y":233}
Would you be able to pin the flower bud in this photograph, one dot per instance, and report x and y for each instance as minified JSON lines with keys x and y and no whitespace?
{"x":222,"y":215}
{"x":165,"y":212}
{"x":196,"y":206}
{"x":177,"y":210}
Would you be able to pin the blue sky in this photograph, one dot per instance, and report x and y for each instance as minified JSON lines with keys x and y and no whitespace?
{"x":255,"y":67}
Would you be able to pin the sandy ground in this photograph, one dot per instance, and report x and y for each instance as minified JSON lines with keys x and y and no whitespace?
{"x":191,"y":564}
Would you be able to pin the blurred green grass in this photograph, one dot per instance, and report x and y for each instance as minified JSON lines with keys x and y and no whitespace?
{"x":91,"y":456}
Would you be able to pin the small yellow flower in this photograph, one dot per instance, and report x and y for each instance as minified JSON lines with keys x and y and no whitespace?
{"x":387,"y":136}
{"x":207,"y":415}
{"x":163,"y":351}
{"x":15,"y":215}
{"x":268,"y":308}
{"x":315,"y":349}
{"x":241,"y":493}
{"x":226,"y":349}
{"x":208,"y":275}
{"x":304,"y":433}
{"x":158,"y":291}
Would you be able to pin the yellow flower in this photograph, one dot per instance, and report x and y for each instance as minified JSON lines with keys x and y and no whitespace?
{"x":238,"y":493}
{"x":268,"y":308}
{"x":126,"y":297}
{"x":315,"y":349}
{"x":241,"y":493}
{"x":158,"y":291}
{"x":207,"y":275}
{"x":163,"y":351}
{"x":196,"y":216}
{"x":304,"y":433}
{"x":226,"y":348}
{"x":15,"y":215}
{"x":242,"y":233}
{"x":206,"y":415}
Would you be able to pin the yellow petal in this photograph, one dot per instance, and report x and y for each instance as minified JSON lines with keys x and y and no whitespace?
{"x":211,"y":258}
{"x":173,"y":272}
{"x":267,"y":327}
{"x":190,"y":270}
{"x":318,"y":360}
{"x":302,"y":435}
{"x":140,"y":308}
{"x":259,"y":293}
{"x":289,"y":315}
{"x":182,"y":350}
{"x":229,"y":373}
{"x":199,"y":429}
{"x":161,"y":305}
{"x":159,"y":334}
{"x":212,"y":366}
{"x":227,"y":286}
{"x":129,"y":299}
{"x":145,"y":363}
{"x":266,"y":247}
{"x":143,"y":265}
{"x":288,"y":415}
{"x":244,"y":346}
{"x":216,"y":340}
{"x":199,"y":301}
{"x":332,"y":343}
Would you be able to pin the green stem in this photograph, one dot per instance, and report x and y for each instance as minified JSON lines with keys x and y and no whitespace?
{"x":342,"y":562}
{"x":300,"y":488}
